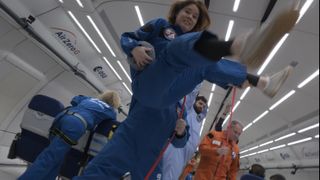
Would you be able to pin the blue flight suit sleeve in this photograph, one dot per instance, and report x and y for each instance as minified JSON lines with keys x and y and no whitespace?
{"x":129,"y":40}
{"x":77,"y":100}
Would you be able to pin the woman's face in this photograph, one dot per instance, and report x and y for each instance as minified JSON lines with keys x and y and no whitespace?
{"x":187,"y":17}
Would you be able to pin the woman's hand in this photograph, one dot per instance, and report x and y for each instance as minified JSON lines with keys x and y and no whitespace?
{"x":141,"y":57}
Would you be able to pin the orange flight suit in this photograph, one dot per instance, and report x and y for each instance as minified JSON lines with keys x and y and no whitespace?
{"x":187,"y":170}
{"x":212,"y":166}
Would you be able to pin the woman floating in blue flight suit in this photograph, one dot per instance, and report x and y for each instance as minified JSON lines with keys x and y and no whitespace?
{"x":185,"y":56}
{"x":84,"y":114}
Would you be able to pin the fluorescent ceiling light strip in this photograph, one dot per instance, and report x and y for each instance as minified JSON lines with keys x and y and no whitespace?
{"x":226,"y":120}
{"x":245,"y":93}
{"x":230,"y":27}
{"x":124,"y":84}
{"x":243,"y":156}
{"x":125,"y":72}
{"x":249,"y":125}
{"x":253,"y":148}
{"x":101,"y":36}
{"x":236,"y":5}
{"x":282,"y":100}
{"x":248,"y":155}
{"x":267,"y":143}
{"x":84,"y":31}
{"x":139,"y":15}
{"x":273,"y":53}
{"x":244,"y":151}
{"x":278,"y":147}
{"x":304,"y":9}
{"x":317,"y":136}
{"x":300,"y":141}
{"x":80,"y":3}
{"x":111,"y":67}
{"x":210,"y":99}
{"x":263,"y":151}
{"x":213,"y":87}
{"x":310,"y":78}
{"x":252,"y":154}
{"x":236,"y":106}
{"x":308,"y":128}
{"x":285,"y":137}
{"x":61,"y":1}
{"x":260,"y":117}
{"x":204,"y":121}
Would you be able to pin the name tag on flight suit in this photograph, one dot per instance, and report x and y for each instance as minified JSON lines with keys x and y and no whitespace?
{"x":216,"y":142}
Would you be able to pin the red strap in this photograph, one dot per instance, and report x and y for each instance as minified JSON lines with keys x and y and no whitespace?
{"x":155,"y":164}
{"x":229,"y":124}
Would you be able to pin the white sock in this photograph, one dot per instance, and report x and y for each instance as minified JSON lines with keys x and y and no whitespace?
{"x":268,"y":82}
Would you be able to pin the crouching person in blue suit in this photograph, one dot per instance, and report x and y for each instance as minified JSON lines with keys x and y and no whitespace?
{"x":68,"y":126}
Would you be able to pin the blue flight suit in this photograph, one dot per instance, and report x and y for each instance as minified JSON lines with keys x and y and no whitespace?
{"x":174,"y":73}
{"x":48,"y":163}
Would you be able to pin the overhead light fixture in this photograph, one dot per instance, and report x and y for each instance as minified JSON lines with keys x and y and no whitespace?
{"x":201,"y":129}
{"x":230,"y":27}
{"x":213,"y":87}
{"x":236,"y":106}
{"x":308,"y":128}
{"x":111,"y":67}
{"x":244,"y":151}
{"x":317,"y":136}
{"x":273,"y":53}
{"x":80,"y":3}
{"x":236,"y":5}
{"x":304,"y":9}
{"x":124,"y":84}
{"x":282,"y":100}
{"x":285,"y":137}
{"x":260,"y":117}
{"x":310,"y":78}
{"x":300,"y":141}
{"x":245,"y":93}
{"x":226,"y":120}
{"x":125,"y":72}
{"x":210,"y":99}
{"x":84,"y":31}
{"x":267,"y":143}
{"x":278,"y":147}
{"x":253,"y":148}
{"x":61,"y":1}
{"x":263,"y":151}
{"x":252,"y":154}
{"x":249,"y":125}
{"x":101,"y":36}
{"x":139,"y":15}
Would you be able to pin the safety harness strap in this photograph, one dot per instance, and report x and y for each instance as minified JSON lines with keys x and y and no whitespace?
{"x":84,"y":122}
{"x":57,"y":132}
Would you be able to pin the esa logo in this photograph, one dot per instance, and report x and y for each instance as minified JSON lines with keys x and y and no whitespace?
{"x":98,"y":69}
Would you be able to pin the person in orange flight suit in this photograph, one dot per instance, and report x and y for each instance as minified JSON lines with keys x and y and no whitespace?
{"x":190,"y":168}
{"x":220,"y":154}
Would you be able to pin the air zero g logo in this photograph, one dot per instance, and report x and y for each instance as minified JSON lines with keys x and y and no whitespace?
{"x":67,"y":38}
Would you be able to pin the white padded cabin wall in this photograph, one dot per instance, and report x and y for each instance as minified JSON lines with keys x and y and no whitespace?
{"x":26,"y":70}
